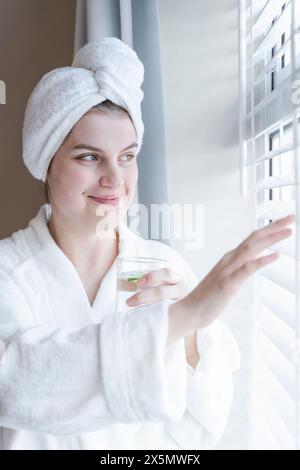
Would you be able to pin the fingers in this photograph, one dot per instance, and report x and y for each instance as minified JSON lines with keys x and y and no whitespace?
{"x":265,"y":242}
{"x":250,"y":251}
{"x":251,"y":267}
{"x":158,"y":285}
{"x":154,"y":294}
{"x":158,"y":277}
{"x":268,"y":230}
{"x":258,"y":241}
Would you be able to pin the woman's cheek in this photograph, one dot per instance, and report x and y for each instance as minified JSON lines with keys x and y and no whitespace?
{"x":131,"y":182}
{"x":132,"y":177}
{"x":78,"y":181}
{"x":73,"y":184}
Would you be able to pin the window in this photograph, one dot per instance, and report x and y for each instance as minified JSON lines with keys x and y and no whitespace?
{"x":270,"y":170}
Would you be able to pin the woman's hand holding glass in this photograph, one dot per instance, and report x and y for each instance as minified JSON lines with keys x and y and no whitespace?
{"x":159,"y":284}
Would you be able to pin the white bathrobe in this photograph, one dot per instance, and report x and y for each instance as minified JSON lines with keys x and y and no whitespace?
{"x":76,"y":376}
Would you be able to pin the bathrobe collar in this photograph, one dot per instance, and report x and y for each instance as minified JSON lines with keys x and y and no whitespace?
{"x":130,"y":244}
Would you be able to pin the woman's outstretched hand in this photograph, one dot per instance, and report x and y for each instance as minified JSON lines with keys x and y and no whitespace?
{"x":209,"y":298}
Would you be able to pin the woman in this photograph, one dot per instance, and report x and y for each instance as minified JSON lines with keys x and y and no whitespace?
{"x":74,"y":374}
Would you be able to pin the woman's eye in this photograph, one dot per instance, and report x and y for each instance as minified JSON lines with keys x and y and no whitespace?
{"x":130,"y":157}
{"x":85,"y":156}
{"x":91,"y":158}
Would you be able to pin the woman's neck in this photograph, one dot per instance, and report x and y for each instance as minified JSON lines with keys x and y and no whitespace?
{"x":90,"y":254}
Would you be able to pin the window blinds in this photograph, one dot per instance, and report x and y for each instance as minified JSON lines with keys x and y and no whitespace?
{"x":269,"y":162}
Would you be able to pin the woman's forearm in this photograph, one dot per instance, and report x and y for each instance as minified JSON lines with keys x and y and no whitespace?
{"x":181,"y":323}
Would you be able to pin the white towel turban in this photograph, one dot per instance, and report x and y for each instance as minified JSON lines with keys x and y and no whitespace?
{"x":101,"y":70}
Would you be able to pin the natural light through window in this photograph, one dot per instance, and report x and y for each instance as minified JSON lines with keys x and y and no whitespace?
{"x":270,"y":137}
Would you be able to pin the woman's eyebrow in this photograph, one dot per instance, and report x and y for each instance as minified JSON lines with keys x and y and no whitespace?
{"x":91,"y":147}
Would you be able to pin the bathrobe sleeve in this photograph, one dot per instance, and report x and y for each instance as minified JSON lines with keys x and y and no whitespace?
{"x":209,"y":385}
{"x":75,"y":380}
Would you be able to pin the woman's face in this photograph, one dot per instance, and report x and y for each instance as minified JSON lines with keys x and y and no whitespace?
{"x":97,"y":159}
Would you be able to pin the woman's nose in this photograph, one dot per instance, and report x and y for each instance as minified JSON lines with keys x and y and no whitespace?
{"x":112,"y":178}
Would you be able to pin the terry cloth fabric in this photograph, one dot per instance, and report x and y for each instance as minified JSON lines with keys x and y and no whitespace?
{"x":80,"y":376}
{"x":101,"y":70}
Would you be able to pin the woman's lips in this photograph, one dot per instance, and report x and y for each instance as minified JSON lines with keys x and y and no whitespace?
{"x":98,"y":200}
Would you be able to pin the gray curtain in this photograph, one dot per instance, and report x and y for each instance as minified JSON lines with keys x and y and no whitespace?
{"x":136,"y":22}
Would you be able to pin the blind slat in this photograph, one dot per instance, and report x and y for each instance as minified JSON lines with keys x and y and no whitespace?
{"x":279,"y":333}
{"x":275,"y":182}
{"x":278,"y":435}
{"x":282,"y":23}
{"x":275,"y":153}
{"x":272,"y":210}
{"x":279,"y":300}
{"x":281,"y":272}
{"x":277,"y":394}
{"x":271,"y":100}
{"x":267,"y":11}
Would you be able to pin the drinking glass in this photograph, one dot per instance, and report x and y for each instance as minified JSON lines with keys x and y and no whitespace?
{"x":129,"y":270}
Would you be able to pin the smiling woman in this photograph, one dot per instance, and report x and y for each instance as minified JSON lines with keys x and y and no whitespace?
{"x":107,"y":106}
{"x":78,"y":178}
{"x":78,"y":374}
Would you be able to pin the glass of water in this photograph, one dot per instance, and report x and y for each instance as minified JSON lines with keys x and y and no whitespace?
{"x":129,"y":271}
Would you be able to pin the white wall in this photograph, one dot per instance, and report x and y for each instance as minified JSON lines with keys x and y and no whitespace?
{"x":199,"y":48}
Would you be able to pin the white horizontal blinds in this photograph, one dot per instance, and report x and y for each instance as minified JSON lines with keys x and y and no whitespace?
{"x":269,"y":126}
{"x":295,"y":50}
